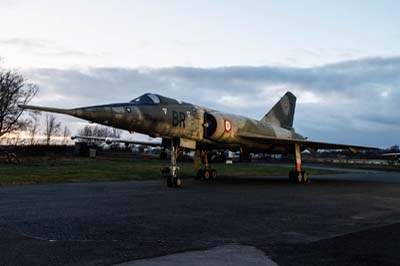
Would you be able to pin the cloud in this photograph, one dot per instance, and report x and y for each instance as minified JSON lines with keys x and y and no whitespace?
{"x":10,"y":3}
{"x":42,"y":47}
{"x":351,"y":101}
{"x":25,"y":43}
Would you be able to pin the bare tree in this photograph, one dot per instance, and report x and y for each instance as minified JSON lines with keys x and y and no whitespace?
{"x":116,"y":133}
{"x":99,"y":131}
{"x":86,"y":131}
{"x":52,"y":127}
{"x":33,"y":127}
{"x":66,"y":135}
{"x":13,"y":91}
{"x":15,"y":139}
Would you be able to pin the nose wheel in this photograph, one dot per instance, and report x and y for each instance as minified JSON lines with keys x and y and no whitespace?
{"x":171,"y":173}
{"x":174,"y":181}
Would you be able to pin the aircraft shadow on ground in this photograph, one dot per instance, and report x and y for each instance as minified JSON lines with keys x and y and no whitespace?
{"x":265,"y":180}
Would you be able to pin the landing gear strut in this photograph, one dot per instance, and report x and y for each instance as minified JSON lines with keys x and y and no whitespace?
{"x":173,"y":180}
{"x":207,"y":173}
{"x":298,"y":175}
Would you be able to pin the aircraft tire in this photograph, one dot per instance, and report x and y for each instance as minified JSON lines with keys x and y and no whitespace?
{"x":299,"y":177}
{"x":169,"y":181}
{"x":304,"y":177}
{"x":214,"y":174}
{"x":178,"y":182}
{"x":292,"y":176}
{"x":200,"y":174}
{"x":207,"y":174}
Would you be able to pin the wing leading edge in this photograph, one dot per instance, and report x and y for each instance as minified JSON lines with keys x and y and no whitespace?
{"x":118,"y":140}
{"x":307,"y":144}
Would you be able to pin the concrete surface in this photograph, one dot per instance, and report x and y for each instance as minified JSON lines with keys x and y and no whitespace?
{"x":346,"y":219}
{"x":229,"y":255}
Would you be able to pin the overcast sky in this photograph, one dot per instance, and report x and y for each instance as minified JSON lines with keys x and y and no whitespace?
{"x":341,"y":58}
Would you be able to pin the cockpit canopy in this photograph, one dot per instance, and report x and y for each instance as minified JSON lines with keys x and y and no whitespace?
{"x":152,"y":99}
{"x":147,"y":98}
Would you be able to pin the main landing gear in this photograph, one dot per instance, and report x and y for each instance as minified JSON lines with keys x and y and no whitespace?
{"x":173,"y":180}
{"x":207,"y":173}
{"x":298,"y":175}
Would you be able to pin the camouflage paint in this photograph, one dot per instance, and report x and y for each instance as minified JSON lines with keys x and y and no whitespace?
{"x":210,"y":129}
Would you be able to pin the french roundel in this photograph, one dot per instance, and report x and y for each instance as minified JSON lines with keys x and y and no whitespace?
{"x":228,"y":125}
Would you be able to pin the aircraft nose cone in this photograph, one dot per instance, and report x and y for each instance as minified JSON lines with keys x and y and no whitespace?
{"x":120,"y":115}
{"x":99,"y":114}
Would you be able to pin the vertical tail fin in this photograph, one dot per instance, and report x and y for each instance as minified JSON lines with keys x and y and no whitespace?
{"x":282,"y":113}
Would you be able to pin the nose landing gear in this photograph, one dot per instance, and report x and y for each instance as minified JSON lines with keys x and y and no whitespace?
{"x":171,"y":173}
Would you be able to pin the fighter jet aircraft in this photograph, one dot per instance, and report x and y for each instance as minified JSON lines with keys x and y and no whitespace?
{"x":190,"y":126}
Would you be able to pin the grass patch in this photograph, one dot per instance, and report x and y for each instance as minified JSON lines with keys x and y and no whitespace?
{"x":90,"y":170}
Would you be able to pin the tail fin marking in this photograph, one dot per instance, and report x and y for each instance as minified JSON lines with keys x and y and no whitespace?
{"x":282,"y":114}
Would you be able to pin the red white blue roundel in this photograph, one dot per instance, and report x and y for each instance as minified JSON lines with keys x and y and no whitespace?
{"x":228,"y":125}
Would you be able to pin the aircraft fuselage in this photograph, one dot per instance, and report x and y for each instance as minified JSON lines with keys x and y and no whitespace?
{"x":159,"y":116}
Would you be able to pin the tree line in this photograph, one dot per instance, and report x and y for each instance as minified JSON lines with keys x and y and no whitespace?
{"x":30,"y":128}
